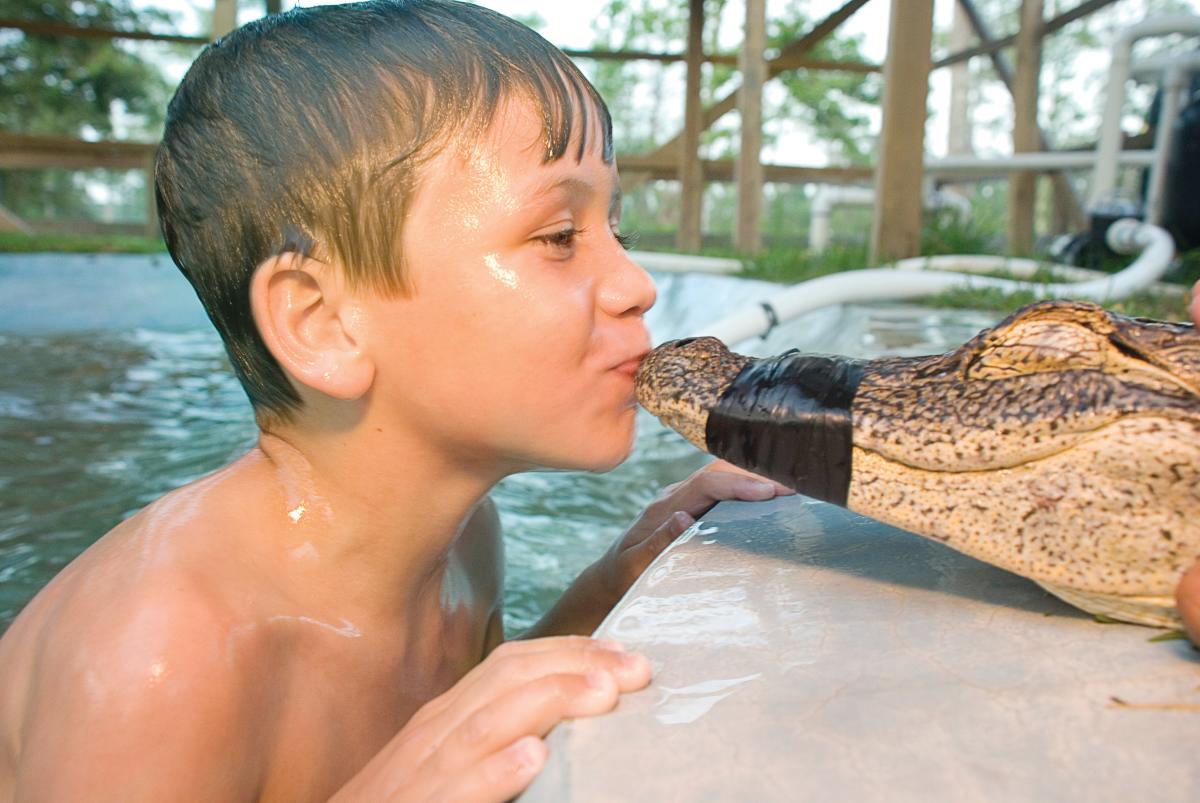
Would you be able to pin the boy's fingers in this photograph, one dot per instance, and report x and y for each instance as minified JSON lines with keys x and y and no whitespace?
{"x":529,"y":710}
{"x":499,"y":777}
{"x":483,"y":675}
{"x":704,"y":489}
{"x":507,"y":670}
{"x":671,"y":529}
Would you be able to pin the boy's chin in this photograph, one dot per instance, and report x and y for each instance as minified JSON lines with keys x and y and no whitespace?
{"x":596,"y":458}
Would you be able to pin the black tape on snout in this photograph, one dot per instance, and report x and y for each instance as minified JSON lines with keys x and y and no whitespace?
{"x":788,"y":418}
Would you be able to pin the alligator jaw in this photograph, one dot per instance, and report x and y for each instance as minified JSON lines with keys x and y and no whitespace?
{"x":681,"y":381}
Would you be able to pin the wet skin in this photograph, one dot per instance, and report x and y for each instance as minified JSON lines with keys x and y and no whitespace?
{"x":261,"y":633}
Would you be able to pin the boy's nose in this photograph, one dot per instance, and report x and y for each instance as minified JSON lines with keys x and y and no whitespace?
{"x":626,"y":289}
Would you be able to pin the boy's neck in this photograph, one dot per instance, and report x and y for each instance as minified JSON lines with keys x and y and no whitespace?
{"x":371,"y":523}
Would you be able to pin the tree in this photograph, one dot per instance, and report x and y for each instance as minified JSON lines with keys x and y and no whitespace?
{"x":77,"y":87}
{"x":646,"y":100}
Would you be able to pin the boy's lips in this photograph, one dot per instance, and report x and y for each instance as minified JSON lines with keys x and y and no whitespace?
{"x":630,"y":366}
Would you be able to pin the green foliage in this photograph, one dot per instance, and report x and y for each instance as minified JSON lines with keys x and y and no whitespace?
{"x":646,"y":107}
{"x":79,"y":243}
{"x":69,"y":85}
{"x":1162,"y":306}
{"x":833,"y":104}
{"x":75,"y":87}
{"x":944,"y":233}
{"x":792,"y":264}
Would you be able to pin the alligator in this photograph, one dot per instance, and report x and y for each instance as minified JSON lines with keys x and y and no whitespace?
{"x":1063,"y":444}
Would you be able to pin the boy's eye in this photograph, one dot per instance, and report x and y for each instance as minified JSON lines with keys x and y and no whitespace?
{"x":562,"y":240}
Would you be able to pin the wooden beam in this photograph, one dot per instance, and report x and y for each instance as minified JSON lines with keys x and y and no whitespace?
{"x":62,"y":29}
{"x":899,"y":171}
{"x":665,"y":167}
{"x":28,"y":151}
{"x":34,"y":151}
{"x":691,"y":173}
{"x":747,"y":236}
{"x":782,"y":62}
{"x":1022,"y":186}
{"x":1065,"y":198}
{"x":793,"y":50}
{"x":994,"y":45}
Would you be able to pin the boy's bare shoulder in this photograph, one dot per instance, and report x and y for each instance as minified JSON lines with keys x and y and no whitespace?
{"x":142,"y":656}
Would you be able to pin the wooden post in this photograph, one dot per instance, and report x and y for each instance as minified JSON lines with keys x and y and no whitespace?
{"x":793,"y":50}
{"x":958,"y":137}
{"x":748,"y":168}
{"x":1064,"y":194}
{"x":224,"y":17}
{"x":1022,"y":186}
{"x":691,"y":174}
{"x":899,"y":173}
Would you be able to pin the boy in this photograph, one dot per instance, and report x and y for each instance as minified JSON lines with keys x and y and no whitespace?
{"x":401,"y":217}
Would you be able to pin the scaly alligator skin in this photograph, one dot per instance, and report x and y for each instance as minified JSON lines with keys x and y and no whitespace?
{"x":1062,"y":444}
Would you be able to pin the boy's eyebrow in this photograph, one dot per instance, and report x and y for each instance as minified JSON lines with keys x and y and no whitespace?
{"x":578,"y":190}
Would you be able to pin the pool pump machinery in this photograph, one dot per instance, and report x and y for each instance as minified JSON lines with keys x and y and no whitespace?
{"x":1178,"y":208}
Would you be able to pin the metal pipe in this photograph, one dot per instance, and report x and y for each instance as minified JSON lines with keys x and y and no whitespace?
{"x":1032,"y":160}
{"x":1105,"y":176}
{"x":828,"y":197}
{"x":1175,"y":79}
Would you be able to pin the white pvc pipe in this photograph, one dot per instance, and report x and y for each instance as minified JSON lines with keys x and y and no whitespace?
{"x":1152,"y":67}
{"x":903,"y":281}
{"x":830,"y":196}
{"x":1030,"y":160}
{"x":826,"y":199}
{"x":1175,"y":79}
{"x":1104,"y":177}
{"x":684,"y":263}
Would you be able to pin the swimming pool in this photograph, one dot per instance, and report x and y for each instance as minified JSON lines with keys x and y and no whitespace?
{"x":114,"y":389}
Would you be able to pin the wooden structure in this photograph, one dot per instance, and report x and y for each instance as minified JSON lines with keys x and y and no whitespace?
{"x":899,"y":179}
{"x":898,"y":174}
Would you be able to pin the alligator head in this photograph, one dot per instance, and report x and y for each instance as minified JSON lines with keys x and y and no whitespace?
{"x":1062,"y":444}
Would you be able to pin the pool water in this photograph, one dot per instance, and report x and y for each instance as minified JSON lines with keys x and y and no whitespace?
{"x":114,"y":389}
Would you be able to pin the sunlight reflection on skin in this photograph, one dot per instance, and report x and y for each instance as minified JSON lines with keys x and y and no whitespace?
{"x":504,"y":275}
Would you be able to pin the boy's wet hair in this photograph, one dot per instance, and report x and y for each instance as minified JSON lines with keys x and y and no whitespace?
{"x":305,"y":131}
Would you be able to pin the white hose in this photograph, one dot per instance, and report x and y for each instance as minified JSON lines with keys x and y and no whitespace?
{"x":915,"y":278}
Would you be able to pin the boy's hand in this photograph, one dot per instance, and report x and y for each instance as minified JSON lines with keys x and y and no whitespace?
{"x":482,"y":740}
{"x":589,"y":599}
{"x":1187,"y":601}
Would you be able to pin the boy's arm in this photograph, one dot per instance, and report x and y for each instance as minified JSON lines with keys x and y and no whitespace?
{"x":588,"y":600}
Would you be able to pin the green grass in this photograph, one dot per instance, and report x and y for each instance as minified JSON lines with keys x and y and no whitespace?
{"x":790,"y":265}
{"x":15,"y":242}
{"x":1161,"y":306}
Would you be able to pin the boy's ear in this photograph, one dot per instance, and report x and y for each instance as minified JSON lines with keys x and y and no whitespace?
{"x":310,"y":325}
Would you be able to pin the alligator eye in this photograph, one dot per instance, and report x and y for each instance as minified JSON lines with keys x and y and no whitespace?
{"x":683,"y":342}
